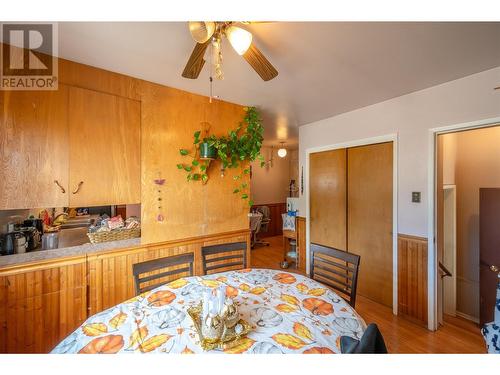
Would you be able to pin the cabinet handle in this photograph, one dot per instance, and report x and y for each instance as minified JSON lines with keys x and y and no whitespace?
{"x":78,"y":187}
{"x":60,"y":187}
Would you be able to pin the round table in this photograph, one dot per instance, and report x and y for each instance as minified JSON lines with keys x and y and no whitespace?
{"x":289,"y":313}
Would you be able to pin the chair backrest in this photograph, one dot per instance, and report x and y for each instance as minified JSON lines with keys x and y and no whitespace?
{"x":265,"y":211}
{"x":372,"y":342}
{"x":255,"y":221}
{"x":337,"y":269}
{"x":156,"y":279}
{"x":235,"y":252}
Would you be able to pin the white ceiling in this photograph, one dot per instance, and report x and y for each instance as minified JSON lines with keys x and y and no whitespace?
{"x":325,"y":68}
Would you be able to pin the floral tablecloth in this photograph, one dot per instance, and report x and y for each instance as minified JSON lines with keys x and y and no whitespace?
{"x":289,"y":313}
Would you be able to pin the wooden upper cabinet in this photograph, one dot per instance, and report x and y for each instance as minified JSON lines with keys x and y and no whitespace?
{"x":34,"y":148}
{"x":104,"y":149}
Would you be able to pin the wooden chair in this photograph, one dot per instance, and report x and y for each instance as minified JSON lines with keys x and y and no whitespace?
{"x":211,"y":263}
{"x":336,"y":269}
{"x":157,"y":264}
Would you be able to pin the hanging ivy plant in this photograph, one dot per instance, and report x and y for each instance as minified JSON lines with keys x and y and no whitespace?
{"x":241,"y":145}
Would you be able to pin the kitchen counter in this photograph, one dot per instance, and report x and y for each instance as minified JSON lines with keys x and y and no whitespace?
{"x":87,"y":248}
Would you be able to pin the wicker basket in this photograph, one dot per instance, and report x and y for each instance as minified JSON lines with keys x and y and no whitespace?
{"x":114,"y":235}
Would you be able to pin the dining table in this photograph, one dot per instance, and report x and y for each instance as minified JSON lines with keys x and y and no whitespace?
{"x":287,"y":312}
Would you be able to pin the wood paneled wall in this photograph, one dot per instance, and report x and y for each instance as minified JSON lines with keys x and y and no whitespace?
{"x":169,"y":119}
{"x":110,"y":274}
{"x":42,"y":303}
{"x":276,"y":224}
{"x":412,"y":277}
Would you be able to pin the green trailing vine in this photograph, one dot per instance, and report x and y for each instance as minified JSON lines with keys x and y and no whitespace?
{"x":241,"y":145}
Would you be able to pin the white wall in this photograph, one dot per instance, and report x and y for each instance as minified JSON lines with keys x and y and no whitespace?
{"x":410,"y":117}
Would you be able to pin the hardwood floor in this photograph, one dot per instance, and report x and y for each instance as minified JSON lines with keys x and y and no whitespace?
{"x":400,"y":335}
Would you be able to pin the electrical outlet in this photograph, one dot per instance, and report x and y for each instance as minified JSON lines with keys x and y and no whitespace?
{"x":415,"y":197}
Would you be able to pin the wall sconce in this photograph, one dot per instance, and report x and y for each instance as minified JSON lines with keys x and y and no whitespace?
{"x":269,"y":162}
{"x":282,"y":150}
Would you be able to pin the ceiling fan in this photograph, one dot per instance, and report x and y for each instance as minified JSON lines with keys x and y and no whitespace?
{"x":211,"y":33}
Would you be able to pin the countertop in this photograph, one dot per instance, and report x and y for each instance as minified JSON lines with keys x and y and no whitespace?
{"x":87,"y":248}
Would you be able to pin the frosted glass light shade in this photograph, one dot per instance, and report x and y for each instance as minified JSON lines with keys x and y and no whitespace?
{"x":201,"y":31}
{"x":282,"y":152}
{"x":239,"y":38}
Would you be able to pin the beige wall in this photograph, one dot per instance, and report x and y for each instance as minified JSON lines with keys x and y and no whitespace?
{"x":477,"y":165}
{"x":270,"y":184}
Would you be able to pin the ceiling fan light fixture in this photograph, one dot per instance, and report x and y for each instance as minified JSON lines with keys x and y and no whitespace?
{"x":239,"y":38}
{"x":201,"y":31}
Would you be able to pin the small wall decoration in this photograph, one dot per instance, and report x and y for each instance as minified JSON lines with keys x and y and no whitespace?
{"x":241,"y":145}
{"x":159,"y":182}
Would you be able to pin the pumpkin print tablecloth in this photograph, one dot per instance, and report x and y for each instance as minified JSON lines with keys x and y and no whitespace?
{"x":289,"y":313}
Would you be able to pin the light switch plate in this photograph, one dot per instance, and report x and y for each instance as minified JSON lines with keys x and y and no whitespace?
{"x":415,"y":197}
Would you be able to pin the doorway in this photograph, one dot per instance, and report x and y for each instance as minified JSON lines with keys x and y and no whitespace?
{"x":467,"y":192}
{"x":350,"y":206}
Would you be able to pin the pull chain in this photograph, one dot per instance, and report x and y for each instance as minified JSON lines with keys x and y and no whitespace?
{"x":211,"y":67}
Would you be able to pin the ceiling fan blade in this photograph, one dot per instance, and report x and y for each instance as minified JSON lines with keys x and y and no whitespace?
{"x":196,"y":61}
{"x":259,"y":63}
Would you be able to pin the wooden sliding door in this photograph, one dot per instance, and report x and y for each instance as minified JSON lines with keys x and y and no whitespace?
{"x":327,"y":181}
{"x":369,"y":218}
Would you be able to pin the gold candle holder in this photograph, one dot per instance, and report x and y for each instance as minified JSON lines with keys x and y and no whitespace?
{"x":219,"y":332}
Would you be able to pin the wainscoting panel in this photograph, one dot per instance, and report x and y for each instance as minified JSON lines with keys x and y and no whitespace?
{"x":412,"y":277}
{"x":110,"y":274}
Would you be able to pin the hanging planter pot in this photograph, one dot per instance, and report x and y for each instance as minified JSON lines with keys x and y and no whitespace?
{"x":207,"y":151}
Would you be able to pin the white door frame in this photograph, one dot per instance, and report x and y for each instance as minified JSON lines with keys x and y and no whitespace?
{"x":363,"y":142}
{"x":432,"y":268}
{"x":453,"y":189}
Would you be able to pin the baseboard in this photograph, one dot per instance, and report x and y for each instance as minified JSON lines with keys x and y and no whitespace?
{"x":466,"y":316}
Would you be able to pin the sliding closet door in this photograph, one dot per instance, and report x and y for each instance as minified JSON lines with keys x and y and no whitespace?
{"x":369,"y":218}
{"x":327,"y":194}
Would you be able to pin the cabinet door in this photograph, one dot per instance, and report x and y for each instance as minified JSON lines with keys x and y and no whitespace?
{"x":34,"y":148}
{"x":369,"y":218}
{"x":39,"y":307}
{"x":105,"y":139}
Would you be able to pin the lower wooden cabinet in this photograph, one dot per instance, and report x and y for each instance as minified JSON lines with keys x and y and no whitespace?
{"x":40,"y":305}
